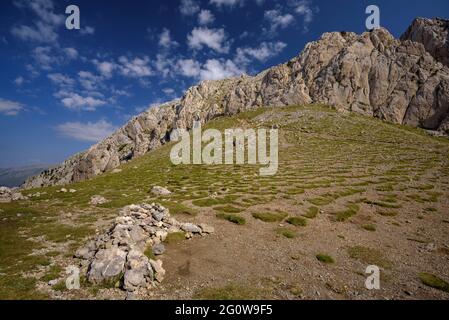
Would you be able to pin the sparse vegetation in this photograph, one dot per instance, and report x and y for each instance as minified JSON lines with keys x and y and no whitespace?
{"x":229,"y":292}
{"x":341,"y":177}
{"x":369,"y":256}
{"x":175,"y":237}
{"x":325,"y":258}
{"x":369,"y":227}
{"x":269,"y":216}
{"x":232,"y":218}
{"x":288,"y":233}
{"x":344,"y":215}
{"x":311,"y":213}
{"x":297,"y":221}
{"x":434,"y":281}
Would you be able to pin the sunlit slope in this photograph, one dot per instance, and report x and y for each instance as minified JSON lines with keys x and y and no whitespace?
{"x":333,"y":166}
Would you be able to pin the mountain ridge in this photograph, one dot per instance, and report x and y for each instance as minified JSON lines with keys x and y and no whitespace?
{"x":397,"y":80}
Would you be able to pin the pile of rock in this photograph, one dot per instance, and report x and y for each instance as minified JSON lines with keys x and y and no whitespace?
{"x":8,"y":194}
{"x":118,"y":256}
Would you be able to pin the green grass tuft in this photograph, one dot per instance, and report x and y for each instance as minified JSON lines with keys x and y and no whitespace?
{"x":324,"y":258}
{"x":434,"y":281}
{"x":269,"y":216}
{"x":232,"y":218}
{"x":297,"y":221}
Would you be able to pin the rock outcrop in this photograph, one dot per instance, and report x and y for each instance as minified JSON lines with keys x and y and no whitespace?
{"x":372,"y":73}
{"x":433,"y":34}
{"x":118,"y":256}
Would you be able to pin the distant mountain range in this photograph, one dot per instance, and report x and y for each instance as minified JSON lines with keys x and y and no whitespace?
{"x":14,"y":177}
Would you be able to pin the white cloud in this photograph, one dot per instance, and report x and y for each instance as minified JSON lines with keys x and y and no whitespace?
{"x":189,"y":7}
{"x":168,"y":91}
{"x":205,"y":17}
{"x":45,"y":24}
{"x":215,"y":39}
{"x":10,"y":108}
{"x":215,"y":69}
{"x":265,"y":51}
{"x":87,"y":30}
{"x":40,"y":33}
{"x":304,"y":9}
{"x":61,"y":79}
{"x":71,"y":53}
{"x":44,"y":9}
{"x":189,"y":68}
{"x":135,"y":68}
{"x":105,"y":68}
{"x":278,"y":20}
{"x":90,"y":131}
{"x":19,"y":81}
{"x":74,"y":101}
{"x":163,"y":64}
{"x":165,"y":40}
{"x":229,"y":3}
{"x":45,"y":57}
{"x":89,"y":81}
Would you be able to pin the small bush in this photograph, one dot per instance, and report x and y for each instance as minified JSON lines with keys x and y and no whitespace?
{"x":324,"y":258}
{"x":297,"y":221}
{"x":269,"y":216}
{"x":175,"y":237}
{"x":232,"y":218}
{"x":290,"y":234}
{"x":311,"y":213}
{"x":369,"y":227}
{"x":433,"y":281}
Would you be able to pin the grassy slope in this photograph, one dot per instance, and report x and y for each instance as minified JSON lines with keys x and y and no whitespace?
{"x":335,"y":156}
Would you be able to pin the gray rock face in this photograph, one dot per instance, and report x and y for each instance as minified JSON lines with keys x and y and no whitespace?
{"x":118,"y":255}
{"x":433,"y":34}
{"x":372,"y":74}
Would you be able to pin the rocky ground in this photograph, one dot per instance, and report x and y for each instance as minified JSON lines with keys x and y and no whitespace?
{"x":351,"y":191}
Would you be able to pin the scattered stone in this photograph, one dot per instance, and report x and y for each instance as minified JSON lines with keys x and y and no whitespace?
{"x":117,"y":170}
{"x":63,"y":190}
{"x":190,"y":227}
{"x":96,"y":200}
{"x":159,"y":271}
{"x":158,"y":249}
{"x":52,"y":282}
{"x":118,"y":255}
{"x":431,"y":247}
{"x":10,"y":194}
{"x":206,"y":228}
{"x":72,"y":190}
{"x":160,"y":191}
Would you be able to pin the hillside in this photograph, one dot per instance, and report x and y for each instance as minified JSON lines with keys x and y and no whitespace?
{"x":371,"y":74}
{"x":361,"y":191}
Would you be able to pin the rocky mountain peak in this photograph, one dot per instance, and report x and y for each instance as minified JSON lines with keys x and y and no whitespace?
{"x":433,"y":34}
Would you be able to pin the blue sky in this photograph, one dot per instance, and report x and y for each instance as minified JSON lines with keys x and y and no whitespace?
{"x":62,"y":90}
